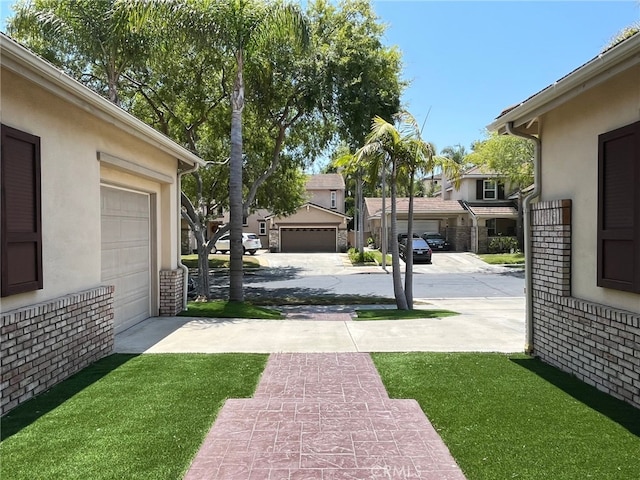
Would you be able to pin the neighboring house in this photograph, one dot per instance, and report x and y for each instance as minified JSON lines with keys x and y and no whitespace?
{"x":90,"y":227}
{"x":482,"y":194}
{"x":469,"y":215}
{"x":429,"y":215}
{"x":319,"y":225}
{"x":583,"y":257}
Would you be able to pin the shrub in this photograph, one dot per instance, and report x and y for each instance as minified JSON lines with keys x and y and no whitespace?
{"x":356,"y":257}
{"x":503,"y":245}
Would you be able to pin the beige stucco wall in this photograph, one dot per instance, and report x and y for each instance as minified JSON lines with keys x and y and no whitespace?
{"x":71,"y":178}
{"x":570,"y":170}
{"x":323,"y":198}
{"x":310,"y":216}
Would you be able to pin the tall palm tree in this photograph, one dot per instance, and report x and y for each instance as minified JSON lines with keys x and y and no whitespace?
{"x":240,"y":27}
{"x":96,"y":41}
{"x":243,"y":25}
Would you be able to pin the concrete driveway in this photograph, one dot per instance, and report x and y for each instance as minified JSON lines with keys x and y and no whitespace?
{"x":487,"y":322}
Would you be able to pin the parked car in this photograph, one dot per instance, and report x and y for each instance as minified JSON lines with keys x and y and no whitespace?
{"x":436,"y":241}
{"x":250,"y":241}
{"x":421,"y":250}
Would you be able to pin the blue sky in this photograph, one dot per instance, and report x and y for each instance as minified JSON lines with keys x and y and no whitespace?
{"x":468,"y":60}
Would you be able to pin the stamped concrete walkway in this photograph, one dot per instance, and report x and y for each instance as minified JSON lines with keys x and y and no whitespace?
{"x":322,"y":416}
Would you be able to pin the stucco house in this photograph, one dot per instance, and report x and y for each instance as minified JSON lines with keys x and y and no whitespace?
{"x":90,"y":224}
{"x":583,"y":220}
{"x":469,"y":215}
{"x":319,"y":225}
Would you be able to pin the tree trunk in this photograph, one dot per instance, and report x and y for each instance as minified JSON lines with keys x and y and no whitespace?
{"x":398,"y":292}
{"x":236,"y":293}
{"x":408,"y":270}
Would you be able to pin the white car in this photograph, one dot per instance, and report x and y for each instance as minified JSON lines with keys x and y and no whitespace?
{"x":250,"y":241}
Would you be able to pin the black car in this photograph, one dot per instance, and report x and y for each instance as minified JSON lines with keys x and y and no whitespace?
{"x":436,"y":241}
{"x":421,"y":250}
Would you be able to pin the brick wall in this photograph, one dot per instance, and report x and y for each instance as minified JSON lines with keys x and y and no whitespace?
{"x":43,"y":344}
{"x":597,"y":343}
{"x":459,"y":237}
{"x":171,"y":292}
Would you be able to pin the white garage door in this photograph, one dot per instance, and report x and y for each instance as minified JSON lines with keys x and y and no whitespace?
{"x":420,"y":226}
{"x":125,"y":254}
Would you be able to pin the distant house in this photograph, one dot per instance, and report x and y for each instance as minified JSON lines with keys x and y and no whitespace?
{"x":90,"y":224}
{"x":469,"y":215}
{"x":319,"y":225}
{"x":583,"y":255}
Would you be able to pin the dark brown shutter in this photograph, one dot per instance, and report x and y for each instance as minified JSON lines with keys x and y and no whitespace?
{"x":479,"y":189}
{"x":21,"y":244}
{"x":500,"y":191}
{"x":619,"y":209}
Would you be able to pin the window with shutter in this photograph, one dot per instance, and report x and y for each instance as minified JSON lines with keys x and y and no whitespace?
{"x":21,"y":225}
{"x":619,"y":209}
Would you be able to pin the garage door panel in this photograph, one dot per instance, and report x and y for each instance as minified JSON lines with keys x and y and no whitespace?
{"x":125,"y":249}
{"x":308,"y":240}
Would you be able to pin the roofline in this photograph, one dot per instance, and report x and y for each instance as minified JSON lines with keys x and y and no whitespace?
{"x":319,"y":207}
{"x":606,"y":65}
{"x":28,"y":65}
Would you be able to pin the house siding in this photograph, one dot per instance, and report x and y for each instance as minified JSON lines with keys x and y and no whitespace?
{"x":41,"y":345}
{"x":597,"y":343}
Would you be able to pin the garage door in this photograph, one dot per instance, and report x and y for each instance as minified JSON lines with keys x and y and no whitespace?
{"x":308,"y":240}
{"x":125,"y":249}
{"x":420,"y":226}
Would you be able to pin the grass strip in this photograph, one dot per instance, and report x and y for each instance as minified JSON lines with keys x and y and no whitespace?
{"x":219,"y":261}
{"x":225,"y":309}
{"x":133,"y":417}
{"x":393,"y":314}
{"x":324,"y":300}
{"x":503,"y":258}
{"x":516,"y":417}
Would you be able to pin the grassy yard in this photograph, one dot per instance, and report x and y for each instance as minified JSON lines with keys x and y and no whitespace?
{"x":144,"y":417}
{"x":125,"y":417}
{"x":224,"y":309}
{"x":513,"y":417}
{"x":503,"y":258}
{"x":219,"y":261}
{"x":395,"y":314}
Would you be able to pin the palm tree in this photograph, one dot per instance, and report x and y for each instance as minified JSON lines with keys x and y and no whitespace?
{"x":242,"y":25}
{"x":96,"y":41}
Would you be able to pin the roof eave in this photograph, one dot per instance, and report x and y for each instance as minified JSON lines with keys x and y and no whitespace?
{"x":592,"y":73}
{"x":26,"y":64}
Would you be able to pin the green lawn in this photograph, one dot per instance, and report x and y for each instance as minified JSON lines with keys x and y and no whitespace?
{"x":224,"y":309}
{"x":144,"y":417}
{"x":394,"y":314}
{"x":125,"y":417}
{"x":513,"y":417}
{"x":503,"y":258}
{"x":219,"y":261}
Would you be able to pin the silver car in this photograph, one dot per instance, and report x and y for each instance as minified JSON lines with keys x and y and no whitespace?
{"x":250,"y":242}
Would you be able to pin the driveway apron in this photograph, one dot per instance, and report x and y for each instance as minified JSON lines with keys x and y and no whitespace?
{"x":322,"y":416}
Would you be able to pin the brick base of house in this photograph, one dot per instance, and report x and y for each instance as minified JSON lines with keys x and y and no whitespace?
{"x":598,"y":344}
{"x":43,"y":344}
{"x":171,"y":292}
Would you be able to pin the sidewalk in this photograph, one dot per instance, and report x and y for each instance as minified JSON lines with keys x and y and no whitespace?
{"x":324,"y":417}
{"x":484,"y":325}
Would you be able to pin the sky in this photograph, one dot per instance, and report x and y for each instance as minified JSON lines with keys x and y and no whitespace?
{"x":469,"y":60}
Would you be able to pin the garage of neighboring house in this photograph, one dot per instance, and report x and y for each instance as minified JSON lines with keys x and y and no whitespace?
{"x":419,"y":226}
{"x":311,"y":228}
{"x":126,"y":253}
{"x":319,"y":239}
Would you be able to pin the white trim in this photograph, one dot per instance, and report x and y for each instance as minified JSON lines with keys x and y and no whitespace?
{"x":133,"y":168}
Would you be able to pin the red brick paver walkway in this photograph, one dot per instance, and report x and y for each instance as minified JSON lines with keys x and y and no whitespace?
{"x":322,"y":416}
